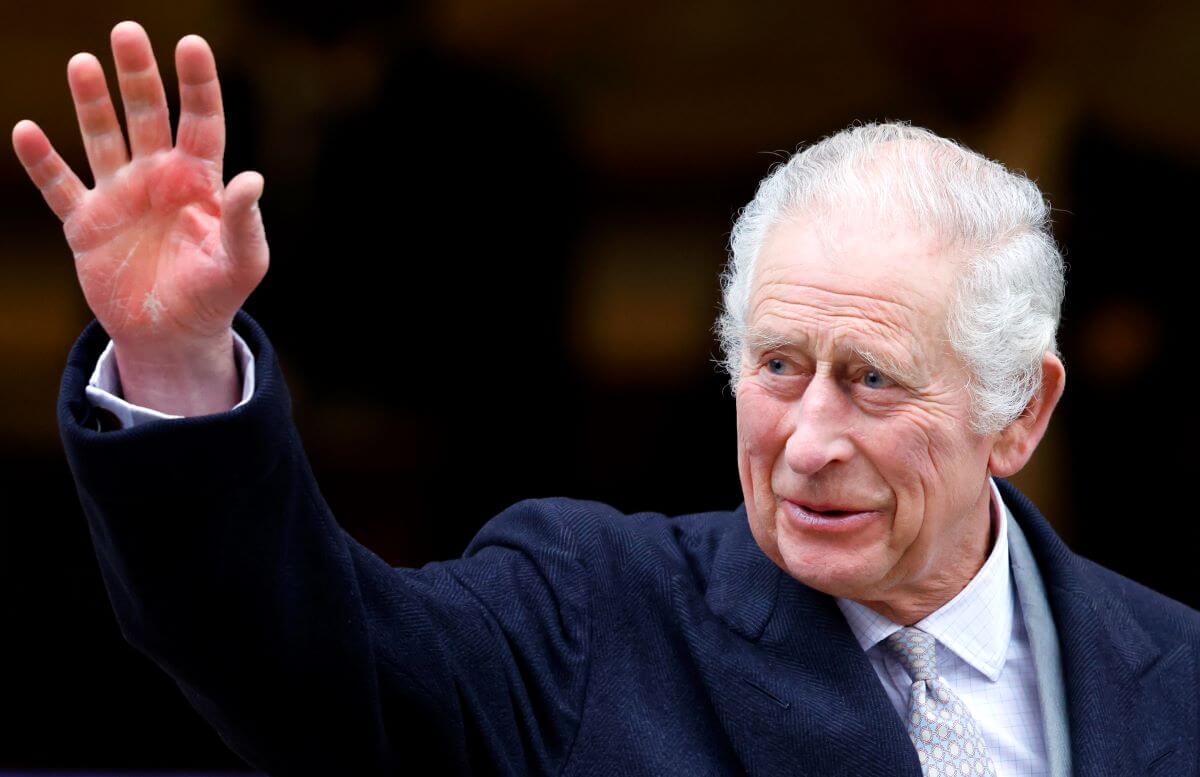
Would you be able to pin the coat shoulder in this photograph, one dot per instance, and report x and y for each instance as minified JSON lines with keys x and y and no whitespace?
{"x":1160,"y":615}
{"x":638,"y":547}
{"x":1169,"y":620}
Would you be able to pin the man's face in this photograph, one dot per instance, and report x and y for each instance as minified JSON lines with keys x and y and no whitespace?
{"x":861,"y":474}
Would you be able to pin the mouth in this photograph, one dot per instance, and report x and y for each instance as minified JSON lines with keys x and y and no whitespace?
{"x":826,"y":517}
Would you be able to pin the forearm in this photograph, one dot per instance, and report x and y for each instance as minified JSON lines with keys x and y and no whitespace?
{"x":308,"y":653}
{"x":224,"y":564}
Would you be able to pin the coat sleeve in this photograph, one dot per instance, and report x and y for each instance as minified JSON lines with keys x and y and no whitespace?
{"x":305,"y":651}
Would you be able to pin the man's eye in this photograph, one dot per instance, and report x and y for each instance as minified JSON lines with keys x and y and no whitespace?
{"x":876,"y":380}
{"x":776,"y":366}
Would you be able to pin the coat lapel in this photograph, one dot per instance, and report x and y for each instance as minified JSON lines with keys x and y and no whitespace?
{"x":794,"y":690}
{"x":1121,"y":687}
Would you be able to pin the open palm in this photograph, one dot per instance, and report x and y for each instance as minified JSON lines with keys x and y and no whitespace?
{"x":165,"y":253}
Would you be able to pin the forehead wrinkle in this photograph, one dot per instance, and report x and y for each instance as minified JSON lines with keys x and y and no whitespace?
{"x":842,"y":283}
{"x":795,"y":293}
{"x":887,"y":315}
{"x":882,"y":315}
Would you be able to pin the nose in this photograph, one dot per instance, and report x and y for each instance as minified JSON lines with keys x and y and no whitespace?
{"x":820,"y":420}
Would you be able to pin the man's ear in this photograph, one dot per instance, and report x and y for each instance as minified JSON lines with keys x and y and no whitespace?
{"x":1016,"y":443}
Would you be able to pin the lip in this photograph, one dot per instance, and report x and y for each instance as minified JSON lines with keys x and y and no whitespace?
{"x":810,"y":517}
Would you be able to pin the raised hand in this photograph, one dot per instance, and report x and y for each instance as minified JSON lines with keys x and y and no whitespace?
{"x":165,"y":253}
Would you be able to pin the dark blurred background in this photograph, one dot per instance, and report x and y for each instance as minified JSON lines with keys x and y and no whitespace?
{"x":496,"y":230}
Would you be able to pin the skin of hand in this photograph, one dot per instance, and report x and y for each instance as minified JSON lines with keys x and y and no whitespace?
{"x":165,"y":253}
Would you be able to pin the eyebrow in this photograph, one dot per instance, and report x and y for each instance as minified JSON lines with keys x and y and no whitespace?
{"x":908,"y":373}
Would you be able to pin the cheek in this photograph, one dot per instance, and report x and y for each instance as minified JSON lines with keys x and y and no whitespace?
{"x":926,"y":446}
{"x":949,"y":452}
{"x":903,"y":452}
{"x":761,"y":438}
{"x":935,"y":467}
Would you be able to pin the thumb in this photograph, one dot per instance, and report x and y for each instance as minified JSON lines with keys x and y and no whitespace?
{"x":242,"y":233}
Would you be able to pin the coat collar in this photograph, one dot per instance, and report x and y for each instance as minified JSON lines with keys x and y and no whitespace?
{"x":744,"y":582}
{"x":806,"y":700}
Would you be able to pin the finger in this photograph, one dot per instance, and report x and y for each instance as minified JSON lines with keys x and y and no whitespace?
{"x":61,"y":188}
{"x":242,"y":233}
{"x":201,"y":117}
{"x":102,"y":138}
{"x":146,"y":114}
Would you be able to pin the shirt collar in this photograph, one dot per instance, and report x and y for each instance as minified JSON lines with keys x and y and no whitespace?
{"x":976,"y":624}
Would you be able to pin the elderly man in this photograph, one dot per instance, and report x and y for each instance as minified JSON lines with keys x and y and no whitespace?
{"x":880,"y":605}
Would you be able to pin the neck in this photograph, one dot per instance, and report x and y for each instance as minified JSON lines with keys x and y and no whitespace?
{"x":907,"y":607}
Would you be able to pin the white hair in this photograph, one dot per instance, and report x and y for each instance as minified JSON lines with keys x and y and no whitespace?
{"x":1005,"y":310}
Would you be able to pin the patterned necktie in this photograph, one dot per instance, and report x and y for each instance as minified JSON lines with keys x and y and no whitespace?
{"x":947,"y":740}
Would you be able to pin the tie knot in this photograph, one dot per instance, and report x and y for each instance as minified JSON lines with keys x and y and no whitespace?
{"x":915,"y":650}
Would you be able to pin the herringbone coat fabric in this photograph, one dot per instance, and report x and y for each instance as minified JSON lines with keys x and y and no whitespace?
{"x":570,"y":639}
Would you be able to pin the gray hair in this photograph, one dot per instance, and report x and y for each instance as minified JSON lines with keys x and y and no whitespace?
{"x":1005,"y":310}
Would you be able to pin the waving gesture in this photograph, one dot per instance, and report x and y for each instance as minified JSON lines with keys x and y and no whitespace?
{"x":164,"y":251}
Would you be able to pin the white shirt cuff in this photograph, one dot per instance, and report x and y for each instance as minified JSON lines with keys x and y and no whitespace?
{"x":104,"y":388}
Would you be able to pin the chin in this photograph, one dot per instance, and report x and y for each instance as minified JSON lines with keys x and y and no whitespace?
{"x":839,"y":565}
{"x":830,"y":579}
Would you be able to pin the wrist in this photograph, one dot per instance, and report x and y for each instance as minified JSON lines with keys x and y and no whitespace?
{"x":186,"y":379}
